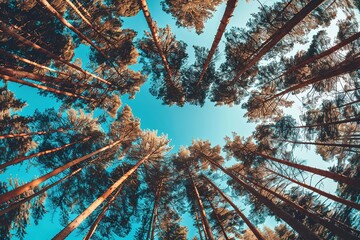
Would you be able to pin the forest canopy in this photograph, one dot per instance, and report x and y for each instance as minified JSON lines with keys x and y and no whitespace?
{"x":83,"y":166}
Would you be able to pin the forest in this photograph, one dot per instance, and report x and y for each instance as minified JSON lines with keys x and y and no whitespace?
{"x":82,"y":164}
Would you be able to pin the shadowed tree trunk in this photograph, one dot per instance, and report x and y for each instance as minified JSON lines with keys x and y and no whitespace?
{"x":155,"y":210}
{"x":238,"y":211}
{"x":217,"y":219}
{"x":230,"y":7}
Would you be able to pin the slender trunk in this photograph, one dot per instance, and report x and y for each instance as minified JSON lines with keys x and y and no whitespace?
{"x":152,"y":27}
{"x":45,"y":88}
{"x":24,"y":135}
{"x":344,"y":67}
{"x":238,"y":211}
{"x":156,"y":208}
{"x":83,"y":9}
{"x":44,"y":189}
{"x":217,"y":219}
{"x":325,"y":194}
{"x":355,"y":119}
{"x":101,"y":215}
{"x":198,"y":225}
{"x":21,"y":159}
{"x":315,"y":216}
{"x":291,"y":221}
{"x":30,"y":44}
{"x":79,"y":13}
{"x":230,"y":7}
{"x":70,"y":26}
{"x":202,"y":210}
{"x":335,"y":176}
{"x":321,"y":144}
{"x":350,"y":103}
{"x":28,"y":186}
{"x":79,"y":219}
{"x":320,"y":55}
{"x":278,"y":35}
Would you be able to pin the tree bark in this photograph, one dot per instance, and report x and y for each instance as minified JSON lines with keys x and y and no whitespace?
{"x":101,"y":215}
{"x":325,"y":194}
{"x":30,"y":44}
{"x":355,"y":119}
{"x":291,"y":221}
{"x":24,"y":135}
{"x":156,"y":208}
{"x":202,"y":210}
{"x":21,"y":159}
{"x":79,"y":219}
{"x":243,"y":217}
{"x":315,"y":216}
{"x":321,"y":144}
{"x":217,"y":219}
{"x":230,"y":7}
{"x":198,"y":225}
{"x":278,"y":35}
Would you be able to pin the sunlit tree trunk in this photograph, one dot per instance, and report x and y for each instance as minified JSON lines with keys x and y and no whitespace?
{"x":156,"y":210}
{"x":198,"y":225}
{"x":230,"y":7}
{"x":79,"y":219}
{"x":217,"y":219}
{"x":24,"y":135}
{"x":238,"y":211}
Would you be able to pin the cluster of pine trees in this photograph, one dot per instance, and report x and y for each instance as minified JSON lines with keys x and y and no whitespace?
{"x":102,"y":174}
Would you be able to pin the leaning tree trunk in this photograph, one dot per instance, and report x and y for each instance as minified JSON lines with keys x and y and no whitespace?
{"x":325,"y":194}
{"x":315,"y":216}
{"x":32,"y":45}
{"x":343,"y":145}
{"x":21,"y":159}
{"x":202,"y":210}
{"x":25,"y":135}
{"x":355,"y":119}
{"x":155,"y":211}
{"x":278,"y":35}
{"x":198,"y":225}
{"x":217,"y":219}
{"x":79,"y":219}
{"x":230,"y":7}
{"x":238,"y":211}
{"x":280,"y":213}
{"x":101,"y":215}
{"x":31,"y":185}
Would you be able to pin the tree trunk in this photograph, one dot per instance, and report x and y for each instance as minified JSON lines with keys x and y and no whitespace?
{"x":342,"y":68}
{"x":44,"y":189}
{"x":45,"y":88}
{"x":30,"y":44}
{"x":230,"y":7}
{"x":21,"y":159}
{"x":320,"y":55}
{"x":355,"y":119}
{"x":79,"y":13}
{"x":321,"y":144}
{"x":28,"y":186}
{"x":79,"y":219}
{"x":198,"y":225}
{"x":217,"y":219}
{"x":55,"y":13}
{"x":202,"y":210}
{"x":152,"y":27}
{"x":156,"y":208}
{"x":24,"y":135}
{"x":315,"y":216}
{"x":291,"y":221}
{"x":243,"y":217}
{"x":101,"y":215}
{"x":278,"y":35}
{"x":335,"y":176}
{"x":325,"y":194}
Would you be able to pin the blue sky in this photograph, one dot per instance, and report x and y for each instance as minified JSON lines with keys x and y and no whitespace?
{"x":181,"y":124}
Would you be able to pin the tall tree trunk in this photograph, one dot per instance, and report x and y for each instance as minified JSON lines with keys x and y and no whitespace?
{"x":79,"y":219}
{"x":291,"y":221}
{"x":278,"y":35}
{"x":53,"y":11}
{"x":12,"y":33}
{"x":238,"y":211}
{"x":198,"y":225}
{"x":45,"y":88}
{"x":217,"y":219}
{"x":101,"y":215}
{"x":28,"y":186}
{"x":320,"y":55}
{"x":41,"y":191}
{"x":355,"y":119}
{"x":315,"y":216}
{"x":325,"y":194}
{"x":25,"y":135}
{"x":202,"y":210}
{"x":21,"y":159}
{"x":156,"y":209}
{"x":79,"y":13}
{"x":342,"y":68}
{"x":335,"y":176}
{"x":230,"y":7}
{"x":152,"y":27}
{"x":321,"y":144}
